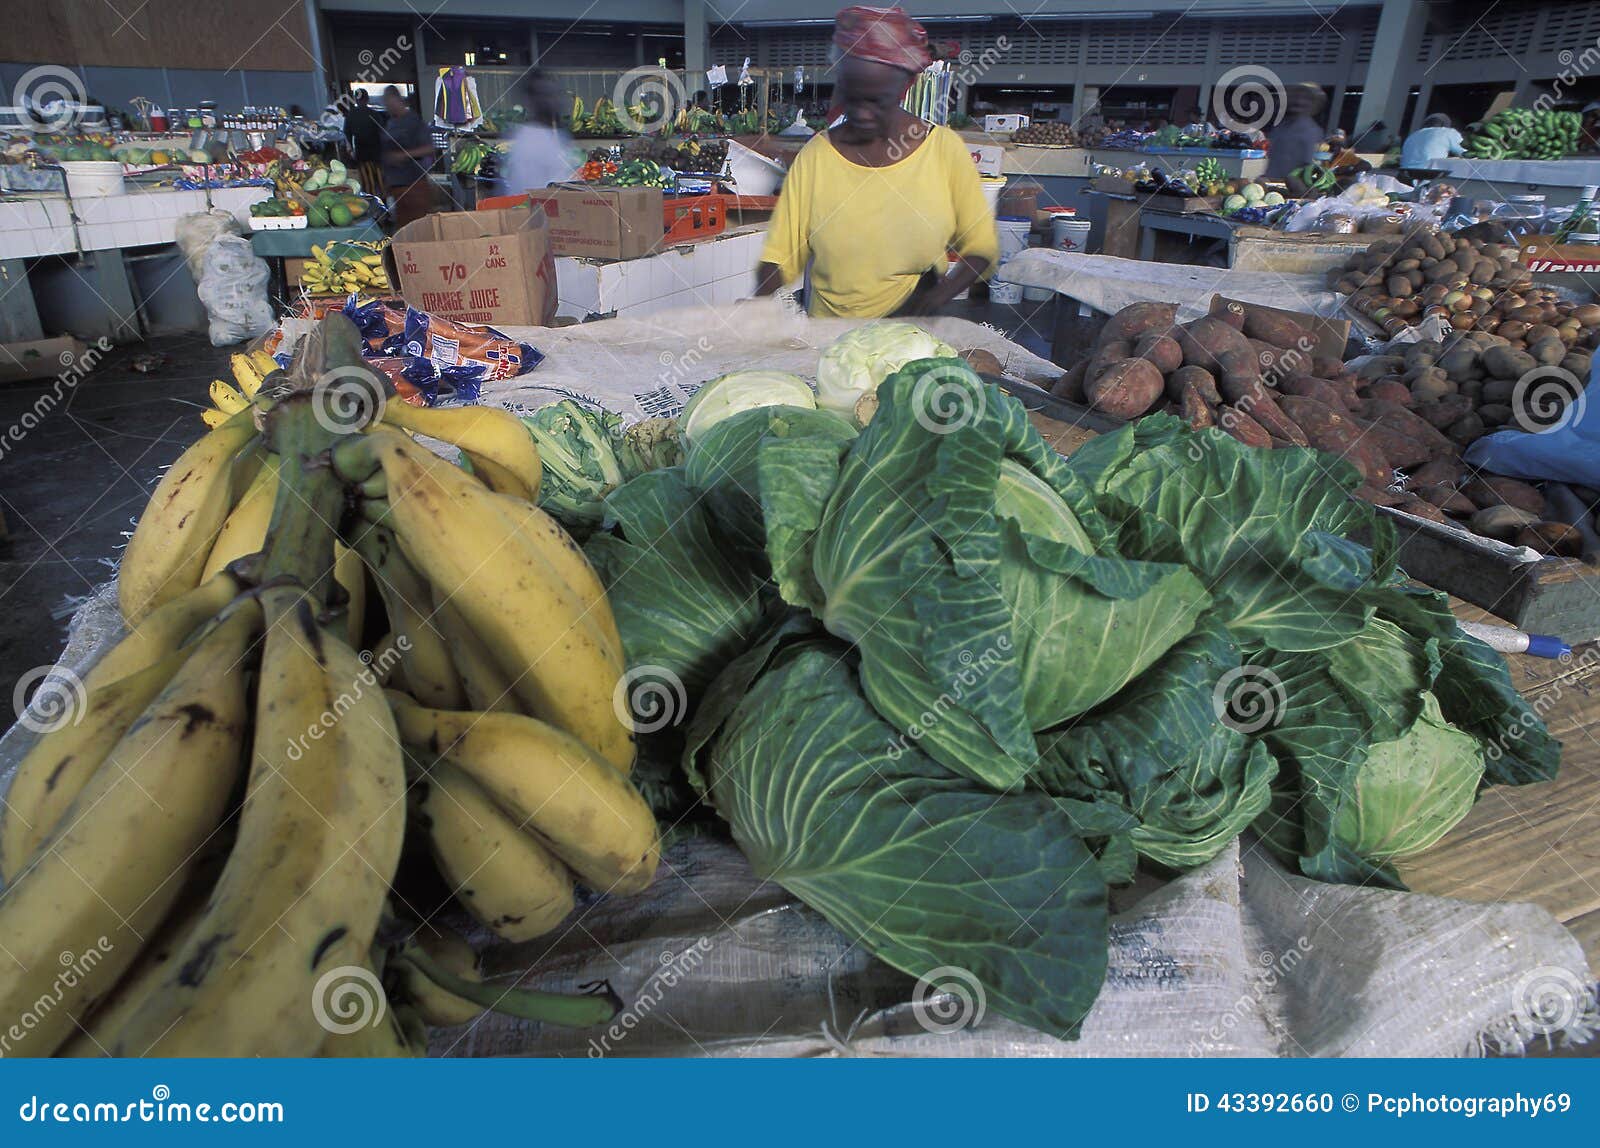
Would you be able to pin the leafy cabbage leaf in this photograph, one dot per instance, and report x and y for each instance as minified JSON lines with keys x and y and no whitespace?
{"x":579,"y":459}
{"x":925,"y":868}
{"x":728,"y":395}
{"x":856,"y":363}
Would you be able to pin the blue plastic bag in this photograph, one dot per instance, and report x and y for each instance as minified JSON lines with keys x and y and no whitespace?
{"x":1565,"y":443}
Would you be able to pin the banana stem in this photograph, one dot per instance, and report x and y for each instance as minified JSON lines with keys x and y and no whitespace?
{"x":310,"y":502}
{"x":574,"y":1011}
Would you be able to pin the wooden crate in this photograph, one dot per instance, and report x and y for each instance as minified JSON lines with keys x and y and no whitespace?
{"x":1293,"y":253}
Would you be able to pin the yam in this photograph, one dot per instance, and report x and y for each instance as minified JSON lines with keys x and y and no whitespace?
{"x":1244,"y":428}
{"x":1257,"y":402}
{"x":1390,"y":392}
{"x":1398,"y":418}
{"x":1556,"y":539}
{"x":1194,"y":410}
{"x":1446,"y":411}
{"x":1137,"y":319}
{"x":1312,"y":388}
{"x":1126,"y":389}
{"x":1492,"y":490}
{"x":1202,"y":380}
{"x":1447,"y":498}
{"x":1399,"y":449}
{"x":1501,"y":522}
{"x":1466,"y":430}
{"x":1205,"y":339}
{"x":1232,"y":313}
{"x":1439,"y":472}
{"x":1104,"y":355}
{"x":1378,"y":496}
{"x":1279,"y":330}
{"x":1327,"y":368}
{"x":1334,"y":432}
{"x":982,"y":361}
{"x":1070,"y":385}
{"x":1422,"y":509}
{"x":1160,"y":350}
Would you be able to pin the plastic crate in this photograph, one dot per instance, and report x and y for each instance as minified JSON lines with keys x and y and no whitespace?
{"x":495,"y":202}
{"x":688,"y":218}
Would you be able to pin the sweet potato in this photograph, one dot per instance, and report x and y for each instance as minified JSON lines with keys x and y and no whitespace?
{"x":1407,"y":422}
{"x":1398,"y":449}
{"x":1390,"y":392}
{"x":1194,"y":409}
{"x":1244,"y":428}
{"x":1104,"y":355}
{"x":1238,"y":370}
{"x":1162,"y":350}
{"x":1422,"y":509}
{"x":1200,"y":379}
{"x":1327,"y":368}
{"x":1308,"y":387}
{"x":1137,"y":319}
{"x":1126,"y":389}
{"x":1205,"y":339}
{"x":1439,"y":472}
{"x":1278,"y":364}
{"x":1070,"y":385}
{"x":1258,"y":403}
{"x":1231,"y":313}
{"x":1335,"y":432}
{"x":1447,"y":498}
{"x":1378,"y":496}
{"x":1446,"y":412}
{"x":1279,"y":330}
{"x":1491,"y":490}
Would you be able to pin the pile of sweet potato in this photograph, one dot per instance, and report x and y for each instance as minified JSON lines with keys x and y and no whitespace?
{"x":1252,"y":373}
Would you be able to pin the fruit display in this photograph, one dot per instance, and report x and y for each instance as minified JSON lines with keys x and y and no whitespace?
{"x":1045,"y":133}
{"x":339,"y":646}
{"x":1473,"y":284}
{"x":595,"y":170}
{"x":334,"y":177}
{"x":1526,"y":133}
{"x":345,"y":268}
{"x":640,"y":173}
{"x":477,"y":157}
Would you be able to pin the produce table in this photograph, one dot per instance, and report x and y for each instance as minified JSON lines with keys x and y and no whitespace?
{"x":1560,"y":181}
{"x":1249,"y":246}
{"x":297,"y":242}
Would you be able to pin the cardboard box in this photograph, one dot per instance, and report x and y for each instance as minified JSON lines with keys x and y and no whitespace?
{"x":1006,"y":123}
{"x":480,"y":266}
{"x":988,"y":157}
{"x":41,"y":358}
{"x":602,"y":222}
{"x":1543,"y":256}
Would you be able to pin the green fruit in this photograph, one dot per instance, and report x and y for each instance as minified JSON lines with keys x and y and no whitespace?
{"x":316,"y":216}
{"x":339,"y":215}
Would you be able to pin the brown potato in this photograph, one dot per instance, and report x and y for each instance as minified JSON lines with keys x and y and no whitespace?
{"x":1202,"y":380}
{"x":1205,"y":339}
{"x":1137,"y":319}
{"x":1161,"y":350}
{"x":1126,"y":389}
{"x":1070,"y":385}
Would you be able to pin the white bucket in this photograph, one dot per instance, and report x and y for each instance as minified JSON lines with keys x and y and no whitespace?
{"x":1038,"y":294}
{"x":1008,"y":294}
{"x":1069,"y":234}
{"x":992,"y":187}
{"x":752,"y":172}
{"x":1013,"y":235}
{"x":88,"y":178}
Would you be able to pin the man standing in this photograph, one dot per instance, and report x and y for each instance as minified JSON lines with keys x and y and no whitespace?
{"x":1435,"y":140}
{"x":1295,"y":142}
{"x":407,"y":155}
{"x":365,"y":133}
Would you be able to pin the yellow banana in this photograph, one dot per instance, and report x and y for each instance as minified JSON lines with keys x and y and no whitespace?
{"x":227,"y":398}
{"x":429,"y":665}
{"x":163,"y":630}
{"x":110,"y":872}
{"x":485,"y":684}
{"x":385,"y":1038}
{"x":247,"y":373}
{"x":494,"y":440}
{"x":319,"y":839}
{"x":434,"y":1004}
{"x":169,"y":547}
{"x":586,"y":810}
{"x":245,"y":529}
{"x":351,"y":573}
{"x":463,"y":542}
{"x":264,"y":364}
{"x":213,"y":418}
{"x":501,"y":875}
{"x":62,"y":761}
{"x":567,"y":559}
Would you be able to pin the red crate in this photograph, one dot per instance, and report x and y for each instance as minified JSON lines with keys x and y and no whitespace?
{"x":688,"y":218}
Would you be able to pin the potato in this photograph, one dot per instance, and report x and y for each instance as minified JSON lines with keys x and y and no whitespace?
{"x":1070,"y":385}
{"x":1244,"y":428}
{"x":1445,"y":411}
{"x":1379,"y":366}
{"x":1494,"y":415}
{"x":1459,"y":361}
{"x":1125,"y":389}
{"x":1493,"y":490}
{"x":1422,"y":509}
{"x":1398,"y":286}
{"x":1137,"y":319}
{"x":1104,"y":355}
{"x":1160,"y":350}
{"x":1194,"y":409}
{"x":1501,"y":522}
{"x":1548,"y":352}
{"x":1504,"y":363}
{"x":1466,"y":430}
{"x":982,"y":361}
{"x":1497,"y":391}
{"x":1205,"y":339}
{"x":1202,"y":380}
{"x":1280,"y":330}
{"x":1392,"y":392}
{"x":1577,"y":363}
{"x":1556,"y":539}
{"x":1448,"y":499}
{"x":1439,"y":472}
{"x":1431,"y":387}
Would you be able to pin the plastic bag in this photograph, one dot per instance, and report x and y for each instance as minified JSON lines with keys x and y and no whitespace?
{"x":195,"y":233}
{"x":233,"y":287}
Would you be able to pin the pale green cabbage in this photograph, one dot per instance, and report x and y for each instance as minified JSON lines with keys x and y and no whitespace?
{"x":742,"y":391}
{"x":857,"y":361}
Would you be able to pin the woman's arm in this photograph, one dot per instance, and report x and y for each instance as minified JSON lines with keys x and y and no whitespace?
{"x":769,"y":278}
{"x":963,"y":273}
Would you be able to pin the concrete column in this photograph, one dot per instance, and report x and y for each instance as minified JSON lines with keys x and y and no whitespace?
{"x":696,"y":44}
{"x":425,"y":76}
{"x":533,"y":45}
{"x":1389,"y":73}
{"x":319,"y":74}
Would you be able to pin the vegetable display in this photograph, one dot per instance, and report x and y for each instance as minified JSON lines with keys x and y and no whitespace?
{"x":1526,"y":133}
{"x":853,"y":365}
{"x":941,"y":678}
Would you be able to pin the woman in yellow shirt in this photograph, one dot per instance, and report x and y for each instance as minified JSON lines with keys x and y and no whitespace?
{"x":875,"y":203}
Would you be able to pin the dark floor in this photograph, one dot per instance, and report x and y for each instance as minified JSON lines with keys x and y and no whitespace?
{"x":71,"y":485}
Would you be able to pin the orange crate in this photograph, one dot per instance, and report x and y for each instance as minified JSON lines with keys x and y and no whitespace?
{"x":495,"y":202}
{"x":688,"y":218}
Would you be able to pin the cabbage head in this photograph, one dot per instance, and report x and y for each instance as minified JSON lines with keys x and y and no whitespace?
{"x":737,"y":391}
{"x":856,"y":363}
{"x":579,"y":456}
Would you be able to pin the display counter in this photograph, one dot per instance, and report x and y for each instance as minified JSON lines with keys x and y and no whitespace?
{"x":1560,"y":181}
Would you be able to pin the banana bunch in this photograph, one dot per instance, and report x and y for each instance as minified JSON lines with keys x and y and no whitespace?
{"x":335,"y":640}
{"x":347,"y":268}
{"x":1526,"y":133}
{"x":230,"y":398}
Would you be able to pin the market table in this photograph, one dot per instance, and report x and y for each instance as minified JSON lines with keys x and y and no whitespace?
{"x":1194,"y":225}
{"x":1249,"y":246}
{"x":276,"y":246}
{"x":1560,"y":181}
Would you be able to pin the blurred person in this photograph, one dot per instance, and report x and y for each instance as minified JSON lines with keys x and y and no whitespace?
{"x":1436,"y":140}
{"x":1296,"y":140}
{"x":540,"y":151}
{"x":365,"y":132}
{"x":874,"y":204}
{"x":408,"y":153}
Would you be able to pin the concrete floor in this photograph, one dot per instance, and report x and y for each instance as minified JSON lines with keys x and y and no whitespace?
{"x":74,"y":482}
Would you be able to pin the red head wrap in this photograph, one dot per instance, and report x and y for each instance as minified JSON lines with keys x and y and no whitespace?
{"x":883,"y":35}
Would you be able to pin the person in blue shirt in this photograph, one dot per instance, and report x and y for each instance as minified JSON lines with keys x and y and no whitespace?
{"x":1435,"y":140}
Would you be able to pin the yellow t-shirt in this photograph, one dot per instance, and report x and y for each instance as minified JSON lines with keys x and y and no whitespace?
{"x":871,"y":232}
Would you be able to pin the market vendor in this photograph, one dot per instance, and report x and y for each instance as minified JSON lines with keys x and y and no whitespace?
{"x":1432,"y":143}
{"x":407,"y":155}
{"x":1295,"y":142}
{"x":873,"y":206}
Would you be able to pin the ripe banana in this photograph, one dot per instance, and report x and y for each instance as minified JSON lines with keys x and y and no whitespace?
{"x":586,"y":810}
{"x":499,"y":447}
{"x":351,"y":573}
{"x":429,"y":667}
{"x":213,"y":417}
{"x":485,"y":684}
{"x":566,"y":557}
{"x":462,"y":541}
{"x":436,"y":1005}
{"x":62,"y":761}
{"x":387,"y":1038}
{"x":163,"y":630}
{"x":245,"y":529}
{"x":319,"y":838}
{"x":227,"y":398}
{"x":501,"y":875}
{"x":169,"y":547}
{"x":111,"y":871}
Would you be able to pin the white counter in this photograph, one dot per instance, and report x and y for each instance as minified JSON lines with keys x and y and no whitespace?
{"x":54,"y":225}
{"x":711,"y":271}
{"x":1534,"y":172}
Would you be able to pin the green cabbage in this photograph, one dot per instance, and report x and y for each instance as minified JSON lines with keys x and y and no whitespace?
{"x":737,"y":391}
{"x":578,"y":454}
{"x":857,"y":362}
{"x":651,"y":444}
